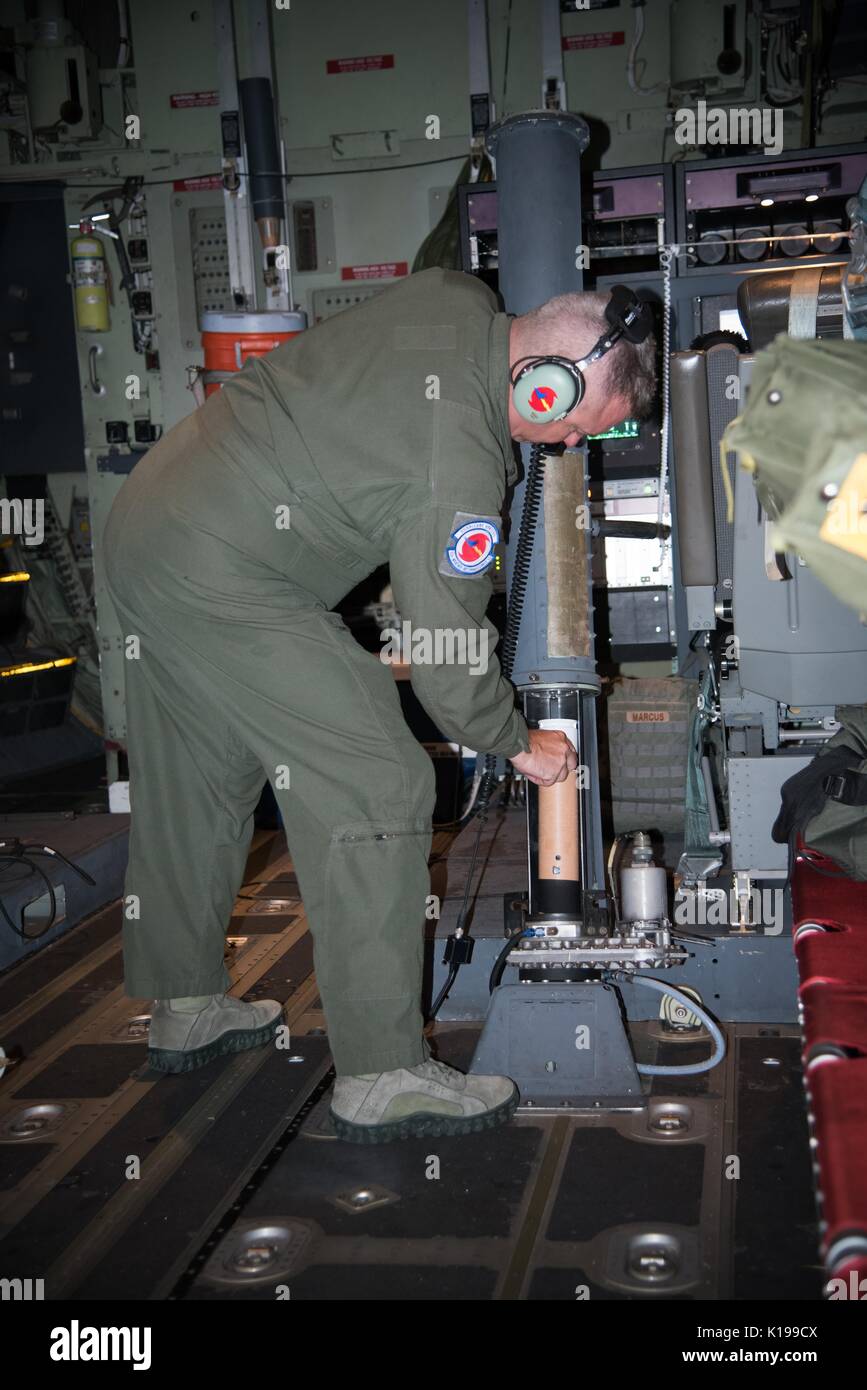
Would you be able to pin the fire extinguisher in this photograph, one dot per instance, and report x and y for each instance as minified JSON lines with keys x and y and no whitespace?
{"x":90,"y":282}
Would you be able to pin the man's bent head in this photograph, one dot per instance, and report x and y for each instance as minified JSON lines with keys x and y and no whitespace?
{"x":619,"y":386}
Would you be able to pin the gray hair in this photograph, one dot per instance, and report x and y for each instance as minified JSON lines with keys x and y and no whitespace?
{"x":569,"y":324}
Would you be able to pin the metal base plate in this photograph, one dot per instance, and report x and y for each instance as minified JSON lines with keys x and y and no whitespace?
{"x":563,"y":1045}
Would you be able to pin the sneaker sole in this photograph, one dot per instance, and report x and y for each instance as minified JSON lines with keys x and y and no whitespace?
{"x":425,"y":1125}
{"x":160,"y":1059}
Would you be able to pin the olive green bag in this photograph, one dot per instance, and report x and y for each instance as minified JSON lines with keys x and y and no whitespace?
{"x":803,"y":436}
{"x":826,"y":803}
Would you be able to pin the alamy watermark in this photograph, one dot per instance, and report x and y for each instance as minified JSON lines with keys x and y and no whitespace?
{"x":22,"y":1290}
{"x":739,"y":125}
{"x":440,"y":646}
{"x":77,"y":1343}
{"x":25,"y":518}
{"x":716,"y":908}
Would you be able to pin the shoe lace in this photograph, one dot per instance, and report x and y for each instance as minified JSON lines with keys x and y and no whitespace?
{"x":440,"y":1069}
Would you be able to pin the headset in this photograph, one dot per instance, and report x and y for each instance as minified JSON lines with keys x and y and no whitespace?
{"x":548,"y":388}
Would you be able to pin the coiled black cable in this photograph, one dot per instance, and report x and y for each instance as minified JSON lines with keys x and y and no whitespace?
{"x":520,"y":575}
{"x":22,"y":852}
{"x":523,"y":556}
{"x":517,"y":593}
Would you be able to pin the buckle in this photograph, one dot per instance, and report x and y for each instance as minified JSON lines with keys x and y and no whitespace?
{"x":841,"y":786}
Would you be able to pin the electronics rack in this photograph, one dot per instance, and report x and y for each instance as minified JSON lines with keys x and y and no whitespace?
{"x":717,"y":203}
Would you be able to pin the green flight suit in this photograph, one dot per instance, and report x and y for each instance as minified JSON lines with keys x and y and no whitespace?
{"x":372,"y":437}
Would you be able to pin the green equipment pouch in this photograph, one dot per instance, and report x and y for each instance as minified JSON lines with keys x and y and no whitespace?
{"x":826,"y":803}
{"x":803,"y":436}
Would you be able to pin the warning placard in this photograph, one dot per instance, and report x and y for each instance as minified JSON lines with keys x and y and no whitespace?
{"x":182,"y":99}
{"x":382,"y":270}
{"x":371,"y":62}
{"x":194,"y":185}
{"x":609,"y":38}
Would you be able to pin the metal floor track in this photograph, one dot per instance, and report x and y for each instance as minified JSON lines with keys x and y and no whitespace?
{"x":228,"y":1183}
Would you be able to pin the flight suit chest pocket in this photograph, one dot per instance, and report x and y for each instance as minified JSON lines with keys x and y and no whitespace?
{"x":467,"y":461}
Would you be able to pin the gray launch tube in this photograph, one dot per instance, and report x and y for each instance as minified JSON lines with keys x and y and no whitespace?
{"x":538,"y":156}
{"x":696,"y":537}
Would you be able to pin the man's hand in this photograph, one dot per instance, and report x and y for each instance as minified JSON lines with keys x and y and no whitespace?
{"x":551,"y":758}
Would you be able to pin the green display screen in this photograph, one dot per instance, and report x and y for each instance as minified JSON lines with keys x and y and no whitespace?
{"x":627,"y":429}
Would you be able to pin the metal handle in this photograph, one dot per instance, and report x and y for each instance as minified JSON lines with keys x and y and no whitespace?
{"x":95,"y":384}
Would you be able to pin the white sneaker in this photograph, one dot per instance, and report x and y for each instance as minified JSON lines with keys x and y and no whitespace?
{"x":180,"y":1041}
{"x":419,"y":1102}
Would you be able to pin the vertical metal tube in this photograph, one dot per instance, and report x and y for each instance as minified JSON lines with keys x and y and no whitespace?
{"x":264,"y":150}
{"x":538,"y":156}
{"x":559,"y":820}
{"x":538,"y":163}
{"x":556,"y":867}
{"x":263,"y":157}
{"x":239,"y":237}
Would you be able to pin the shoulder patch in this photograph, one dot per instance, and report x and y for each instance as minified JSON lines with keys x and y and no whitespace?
{"x":470,"y":549}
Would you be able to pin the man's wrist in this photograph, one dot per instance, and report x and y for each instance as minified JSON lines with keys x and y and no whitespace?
{"x":523,"y":745}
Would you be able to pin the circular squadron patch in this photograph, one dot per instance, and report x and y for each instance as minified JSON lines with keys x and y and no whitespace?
{"x":471,"y":549}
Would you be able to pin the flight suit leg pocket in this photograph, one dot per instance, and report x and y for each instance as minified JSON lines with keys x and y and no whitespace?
{"x":377,"y":884}
{"x":370,"y":954}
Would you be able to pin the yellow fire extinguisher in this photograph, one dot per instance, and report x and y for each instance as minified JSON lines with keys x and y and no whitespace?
{"x":89,"y":278}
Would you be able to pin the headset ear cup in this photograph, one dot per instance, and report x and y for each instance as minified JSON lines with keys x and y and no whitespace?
{"x":547,"y":392}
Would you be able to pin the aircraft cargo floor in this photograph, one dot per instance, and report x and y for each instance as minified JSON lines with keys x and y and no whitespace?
{"x":243,"y":1192}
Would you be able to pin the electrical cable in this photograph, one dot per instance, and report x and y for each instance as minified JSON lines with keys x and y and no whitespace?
{"x":517,"y":593}
{"x":613,"y":855}
{"x":690,"y":1069}
{"x":282,"y":174}
{"x":514,"y":609}
{"x":52,"y":897}
{"x":17,"y":851}
{"x":631,"y":74}
{"x":123,"y":52}
{"x":128,"y":191}
{"x":524,"y":554}
{"x":444,"y":992}
{"x":466,"y":813}
{"x":779,"y":77}
{"x":506,"y":59}
{"x":458,"y":957}
{"x":500,"y":963}
{"x":666,"y":255}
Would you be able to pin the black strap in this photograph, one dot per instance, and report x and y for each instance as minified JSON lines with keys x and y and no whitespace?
{"x":849,"y":787}
{"x":803,"y":795}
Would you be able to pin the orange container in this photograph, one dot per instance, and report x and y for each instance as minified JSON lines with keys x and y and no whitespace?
{"x":229,"y":339}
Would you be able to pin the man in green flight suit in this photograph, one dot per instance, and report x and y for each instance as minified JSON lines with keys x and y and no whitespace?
{"x":382,"y":435}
